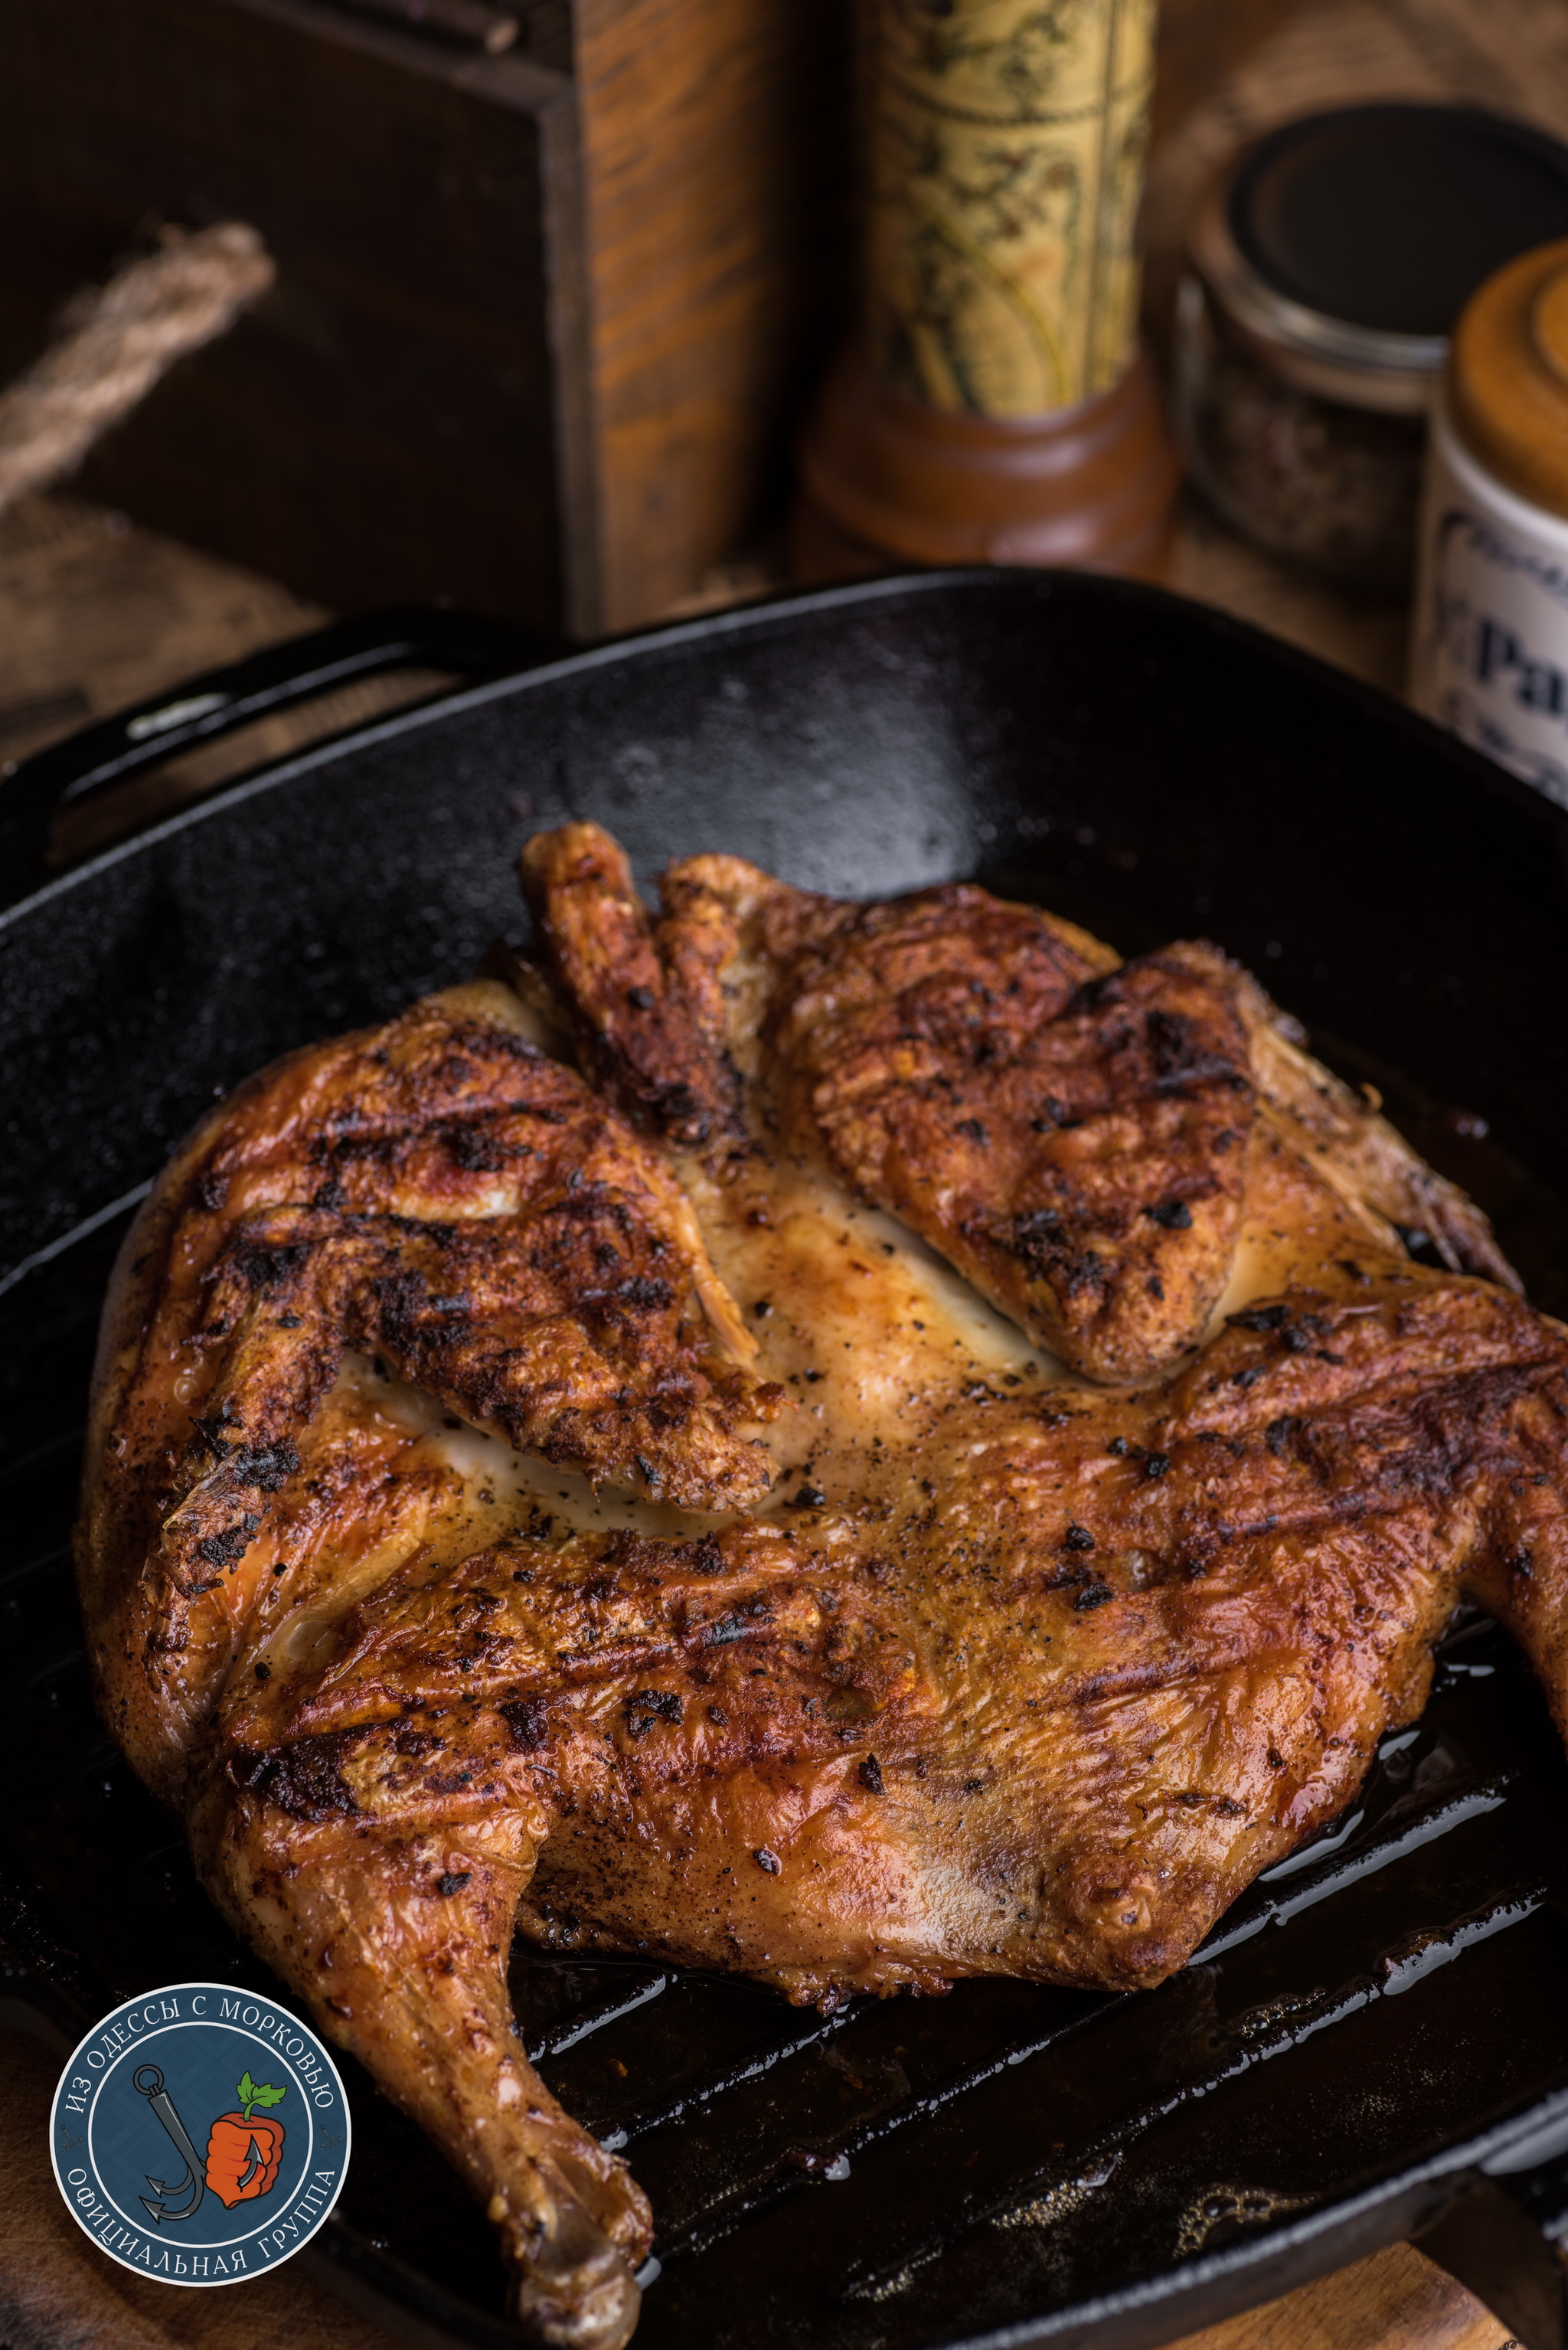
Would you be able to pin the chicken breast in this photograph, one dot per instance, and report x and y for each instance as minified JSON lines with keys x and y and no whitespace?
{"x":929,"y":1458}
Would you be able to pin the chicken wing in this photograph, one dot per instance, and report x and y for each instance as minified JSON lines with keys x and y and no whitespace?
{"x":1070,"y":1133}
{"x":437,"y":1192}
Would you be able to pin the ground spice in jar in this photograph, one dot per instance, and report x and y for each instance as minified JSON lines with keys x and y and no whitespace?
{"x":1326,"y":273}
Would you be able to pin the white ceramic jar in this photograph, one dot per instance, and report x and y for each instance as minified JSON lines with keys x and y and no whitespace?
{"x":1490,"y":631}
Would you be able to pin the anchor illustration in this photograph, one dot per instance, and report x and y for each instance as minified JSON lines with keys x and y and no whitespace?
{"x":148,"y":2082}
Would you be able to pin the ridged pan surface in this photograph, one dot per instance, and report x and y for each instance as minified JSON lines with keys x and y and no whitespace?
{"x":1007,"y":2162}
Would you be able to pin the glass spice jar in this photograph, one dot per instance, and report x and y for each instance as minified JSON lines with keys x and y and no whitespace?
{"x":1313,"y":321}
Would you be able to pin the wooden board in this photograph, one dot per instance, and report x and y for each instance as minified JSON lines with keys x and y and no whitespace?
{"x":716,"y":161}
{"x":542,"y":321}
{"x":401,"y":417}
{"x":1397,"y":2300}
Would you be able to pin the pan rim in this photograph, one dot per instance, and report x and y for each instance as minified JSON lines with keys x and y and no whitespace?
{"x":744,"y":619}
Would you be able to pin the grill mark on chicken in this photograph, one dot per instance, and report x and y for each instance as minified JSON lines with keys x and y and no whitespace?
{"x":1071,"y":1139}
{"x":557,"y":1303}
{"x":1069,"y":1132}
{"x":1013,"y":1675}
{"x":1282,"y":1603}
{"x":1060,"y":1146}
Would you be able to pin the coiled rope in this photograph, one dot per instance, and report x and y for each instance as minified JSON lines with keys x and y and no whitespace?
{"x":119,"y":339}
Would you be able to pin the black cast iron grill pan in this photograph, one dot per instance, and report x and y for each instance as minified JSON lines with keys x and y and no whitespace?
{"x":1377,"y":2036}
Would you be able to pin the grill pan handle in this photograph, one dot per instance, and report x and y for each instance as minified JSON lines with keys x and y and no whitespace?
{"x":67,"y":775}
{"x":1506,"y":2237}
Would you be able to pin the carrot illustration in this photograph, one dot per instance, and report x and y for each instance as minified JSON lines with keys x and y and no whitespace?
{"x":244,"y":2152}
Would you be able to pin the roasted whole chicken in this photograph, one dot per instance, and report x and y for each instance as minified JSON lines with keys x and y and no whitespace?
{"x":860,"y":1444}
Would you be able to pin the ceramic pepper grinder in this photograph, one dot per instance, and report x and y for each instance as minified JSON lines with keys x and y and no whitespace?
{"x":994,"y":406}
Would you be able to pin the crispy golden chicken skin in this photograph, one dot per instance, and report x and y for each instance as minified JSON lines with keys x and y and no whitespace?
{"x":437,"y":1193}
{"x":1071,"y":1133}
{"x":448,"y":1558}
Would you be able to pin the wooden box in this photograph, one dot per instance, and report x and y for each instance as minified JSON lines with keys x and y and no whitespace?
{"x":543,"y":320}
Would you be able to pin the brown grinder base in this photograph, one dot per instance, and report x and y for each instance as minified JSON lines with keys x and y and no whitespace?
{"x":884,"y":476}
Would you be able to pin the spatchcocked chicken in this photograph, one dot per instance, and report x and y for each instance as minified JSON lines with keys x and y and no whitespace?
{"x":862,"y":1445}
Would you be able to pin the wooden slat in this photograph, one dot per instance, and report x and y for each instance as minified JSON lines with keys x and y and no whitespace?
{"x":716,"y":153}
{"x":1397,"y":2300}
{"x":387,"y":425}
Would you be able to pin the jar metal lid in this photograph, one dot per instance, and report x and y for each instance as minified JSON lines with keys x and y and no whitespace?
{"x":1345,"y":243}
